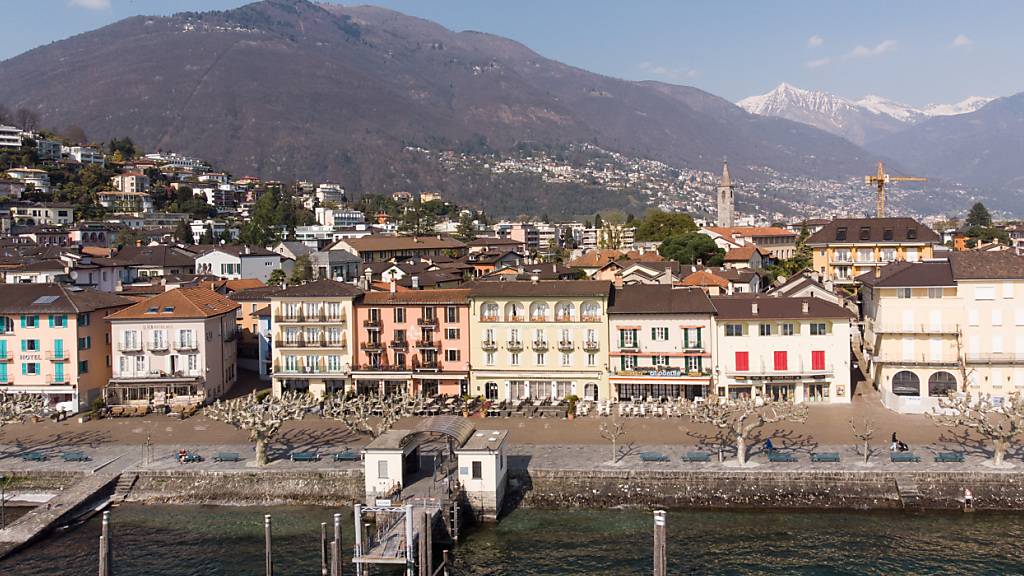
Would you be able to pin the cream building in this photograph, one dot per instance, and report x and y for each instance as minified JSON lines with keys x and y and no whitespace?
{"x":785,"y":348}
{"x":954,"y":324}
{"x":539,"y":339}
{"x":846,"y":248}
{"x":313,"y":337}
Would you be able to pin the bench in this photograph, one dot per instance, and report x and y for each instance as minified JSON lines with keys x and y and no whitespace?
{"x":189,"y":458}
{"x":697,"y":457}
{"x":824,"y":456}
{"x":949,"y":457}
{"x":75,"y":456}
{"x":227,"y":457}
{"x":33,"y":456}
{"x":305,"y":456}
{"x":347,"y":456}
{"x":653,"y":457}
{"x":776,"y":456}
{"x":904,"y":457}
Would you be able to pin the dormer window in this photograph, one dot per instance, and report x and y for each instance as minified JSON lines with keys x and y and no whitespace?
{"x":911,"y":233}
{"x":887,"y":235}
{"x":865,"y":233}
{"x":841,"y":234}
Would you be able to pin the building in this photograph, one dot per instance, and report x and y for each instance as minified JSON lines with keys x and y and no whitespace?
{"x":130,"y":182}
{"x":660,"y":342}
{"x":10,"y":137}
{"x":795,"y":349}
{"x":849,"y":247}
{"x":779,"y":243}
{"x":413,"y":340}
{"x":39,"y":179}
{"x":83,"y":154}
{"x":54,"y":342}
{"x":125,"y":202}
{"x":339,"y":218}
{"x":48,"y":150}
{"x":255,"y":336}
{"x":155,"y":261}
{"x":177,"y":161}
{"x":331,"y":193}
{"x":540,"y":340}
{"x":176,"y":348}
{"x":235,"y":262}
{"x":383,"y":248}
{"x":726,"y":199}
{"x":50,"y":214}
{"x":608,"y":237}
{"x":945,"y":325}
{"x":314,"y":335}
{"x":335,"y":265}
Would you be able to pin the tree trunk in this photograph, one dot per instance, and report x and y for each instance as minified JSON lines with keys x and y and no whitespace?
{"x":1000,"y":452}
{"x":261,"y":451}
{"x":741,"y":449}
{"x":615,"y":452}
{"x":867,"y":451}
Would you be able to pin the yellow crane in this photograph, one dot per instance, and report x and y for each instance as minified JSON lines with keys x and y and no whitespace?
{"x":880,"y":179}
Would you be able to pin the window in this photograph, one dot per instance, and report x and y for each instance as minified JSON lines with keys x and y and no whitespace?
{"x":541,"y":357}
{"x":659,"y":360}
{"x":941,"y":384}
{"x":888,"y":254}
{"x":887,"y":234}
{"x":382,"y":469}
{"x":935,"y":293}
{"x":491,"y":390}
{"x":400,"y":315}
{"x":694,"y":363}
{"x":566,"y":359}
{"x":627,"y":362}
{"x":452,"y":355}
{"x":905,"y":383}
{"x":817,"y":360}
{"x":819,"y":329}
{"x":841,"y":233}
{"x":30,"y":345}
{"x":984,"y":292}
{"x":58,"y":320}
{"x":30,"y":368}
{"x":489,"y":358}
{"x":591,"y":359}
{"x":997,"y":317}
{"x":742,"y":361}
{"x":627,"y":338}
{"x":30,"y":321}
{"x":734,"y":329}
{"x":140,"y":364}
{"x":83,"y":367}
{"x":786,"y":329}
{"x":451,"y":314}
{"x":904,"y":293}
{"x":514,"y":359}
{"x":764,"y":329}
{"x":865,"y":232}
{"x":478,"y":470}
{"x":781,"y":361}
{"x":659,"y":333}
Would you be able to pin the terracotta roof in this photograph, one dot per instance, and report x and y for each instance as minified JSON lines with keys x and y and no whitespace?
{"x":258,"y":294}
{"x":649,"y":256}
{"x":750,"y":231}
{"x":595,"y":258}
{"x":704,"y":278}
{"x":493,"y":241}
{"x":179,"y":303}
{"x":742,"y":253}
{"x":910,"y":274}
{"x":320,"y":288}
{"x":50,"y":298}
{"x":543,"y":288}
{"x":660,"y":299}
{"x":232,"y":285}
{"x":379,"y":243}
{"x":874,"y":231}
{"x":987,"y":265}
{"x":446,"y":296}
{"x":775,"y":307}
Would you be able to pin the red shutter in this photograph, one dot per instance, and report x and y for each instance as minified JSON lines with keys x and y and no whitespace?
{"x":742,"y":361}
{"x":817,"y":360}
{"x":780,"y":361}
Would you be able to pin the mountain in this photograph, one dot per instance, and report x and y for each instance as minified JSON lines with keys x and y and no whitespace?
{"x":288,"y":89}
{"x":860,"y":121}
{"x":983,"y":147}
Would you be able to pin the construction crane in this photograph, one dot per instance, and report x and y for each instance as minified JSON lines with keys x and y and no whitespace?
{"x":880,"y":179}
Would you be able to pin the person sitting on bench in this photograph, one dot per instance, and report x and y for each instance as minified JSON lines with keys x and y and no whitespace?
{"x":768,"y":446}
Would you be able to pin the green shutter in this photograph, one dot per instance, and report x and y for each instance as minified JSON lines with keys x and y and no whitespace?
{"x":3,"y":348}
{"x":3,"y":373}
{"x":58,"y":372}
{"x":23,"y":322}
{"x":24,"y":345}
{"x":698,"y":338}
{"x":49,"y":319}
{"x":24,"y":369}
{"x":622,"y":338}
{"x":58,"y":348}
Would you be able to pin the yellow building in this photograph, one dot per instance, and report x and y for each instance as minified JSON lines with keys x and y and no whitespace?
{"x":313,"y":337}
{"x":539,"y":339}
{"x":846,"y":248}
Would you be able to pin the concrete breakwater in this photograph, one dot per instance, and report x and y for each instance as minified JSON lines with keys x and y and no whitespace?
{"x":243,"y":488}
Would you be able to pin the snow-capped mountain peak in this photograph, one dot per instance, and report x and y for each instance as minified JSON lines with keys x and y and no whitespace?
{"x":898,"y":110}
{"x":969,"y":104}
{"x":786,"y":96}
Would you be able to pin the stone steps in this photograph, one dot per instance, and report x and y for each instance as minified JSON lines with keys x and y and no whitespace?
{"x":910,"y":495}
{"x":124,"y":486}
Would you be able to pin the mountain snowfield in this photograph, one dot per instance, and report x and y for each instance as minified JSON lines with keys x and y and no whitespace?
{"x":859,"y":121}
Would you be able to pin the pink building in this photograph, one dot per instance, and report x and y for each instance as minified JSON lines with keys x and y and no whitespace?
{"x":416,"y":339}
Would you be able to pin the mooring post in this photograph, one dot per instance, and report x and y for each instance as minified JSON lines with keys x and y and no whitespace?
{"x":429,"y":535}
{"x":266,"y":543}
{"x":336,"y":560}
{"x":323,"y":549}
{"x":444,"y":559}
{"x":421,"y":551}
{"x":659,"y":543}
{"x":357,"y":510}
{"x":105,"y":544}
{"x":410,"y":531}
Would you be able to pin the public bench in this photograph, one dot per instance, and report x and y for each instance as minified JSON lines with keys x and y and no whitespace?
{"x":949,"y":457}
{"x":33,"y":456}
{"x":75,"y":456}
{"x":653,"y":457}
{"x":904,"y":457}
{"x":776,"y":456}
{"x":697,"y":457}
{"x":305,"y":456}
{"x":189,"y":458}
{"x":824,"y":456}
{"x":347,"y":456}
{"x":227,"y":457}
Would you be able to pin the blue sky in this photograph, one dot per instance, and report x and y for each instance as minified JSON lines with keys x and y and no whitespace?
{"x":916,"y":52}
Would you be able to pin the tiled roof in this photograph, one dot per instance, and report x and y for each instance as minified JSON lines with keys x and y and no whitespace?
{"x":1005,"y":265}
{"x":742,"y":253}
{"x":704,"y":278}
{"x":379,"y":243}
{"x":320,"y":288}
{"x":179,"y":303}
{"x":771,"y":307}
{"x":873,"y":231}
{"x":159,"y":255}
{"x":260,"y":294}
{"x":751,"y":231}
{"x":543,"y":288}
{"x":413,"y":297}
{"x":48,"y":298}
{"x":232,"y":249}
{"x":910,"y":274}
{"x":595,"y":258}
{"x":492,"y":241}
{"x":660,"y":299}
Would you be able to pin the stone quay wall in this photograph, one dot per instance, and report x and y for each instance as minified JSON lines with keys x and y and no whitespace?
{"x":40,"y":481}
{"x":245,"y":488}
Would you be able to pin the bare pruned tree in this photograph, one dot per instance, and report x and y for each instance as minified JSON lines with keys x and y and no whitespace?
{"x":16,"y":407}
{"x":262,"y":418}
{"x":27,"y":120}
{"x":371,"y":414}
{"x":614,"y":432}
{"x":1000,"y":425}
{"x":864,"y":433}
{"x":740,"y":417}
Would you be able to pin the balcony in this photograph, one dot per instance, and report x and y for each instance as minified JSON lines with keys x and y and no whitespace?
{"x":514,"y":345}
{"x":400,"y":345}
{"x":1003,"y":358}
{"x":591,"y":346}
{"x":936,"y":329}
{"x":5,"y":358}
{"x":55,"y":380}
{"x":372,"y":323}
{"x":381,"y":368}
{"x":372,"y":346}
{"x":290,"y":317}
{"x":158,"y":376}
{"x":57,"y":356}
{"x":426,"y":344}
{"x":564,"y":318}
{"x":427,"y":365}
{"x":488,"y":318}
{"x":186,"y":345}
{"x":795,"y":373}
{"x":427,"y":322}
{"x":693,"y":347}
{"x":566,"y":346}
{"x":630,"y":347}
{"x":293,"y":343}
{"x":662,"y":372}
{"x":321,"y":369}
{"x":590,"y":318}
{"x":129,"y":346}
{"x":539,"y":345}
{"x":516,"y":319}
{"x":539,"y":318}
{"x":489,"y":345}
{"x":162,"y":346}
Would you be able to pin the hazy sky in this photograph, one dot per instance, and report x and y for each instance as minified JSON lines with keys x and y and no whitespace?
{"x":916,"y":52}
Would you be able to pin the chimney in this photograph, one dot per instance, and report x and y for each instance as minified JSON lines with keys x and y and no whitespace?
{"x":534,"y":279}
{"x":667,"y":278}
{"x":753,"y":308}
{"x":415,"y":282}
{"x":394,"y":285}
{"x":878,"y":271}
{"x":805,"y":307}
{"x":618,"y":280}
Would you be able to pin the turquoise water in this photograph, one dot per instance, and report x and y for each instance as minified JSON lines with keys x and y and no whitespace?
{"x":195,"y":540}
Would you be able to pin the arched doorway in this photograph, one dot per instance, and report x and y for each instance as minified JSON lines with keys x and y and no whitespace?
{"x":906,"y":383}
{"x":590,"y":391}
{"x":941,"y":384}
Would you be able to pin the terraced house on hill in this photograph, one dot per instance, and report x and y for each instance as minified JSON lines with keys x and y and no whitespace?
{"x":313,"y":329}
{"x":539,"y":339}
{"x":55,"y":341}
{"x":948,"y":325}
{"x":413,"y":340}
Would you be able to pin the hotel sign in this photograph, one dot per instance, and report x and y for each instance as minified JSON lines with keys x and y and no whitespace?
{"x":655,"y":372}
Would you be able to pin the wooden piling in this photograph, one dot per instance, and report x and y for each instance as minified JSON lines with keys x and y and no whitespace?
{"x":429,"y":535}
{"x":323,"y":549}
{"x":266,"y":544}
{"x":444,"y":559}
{"x":336,"y":560}
{"x":421,"y":544}
{"x":659,"y":543}
{"x":104,"y":567}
